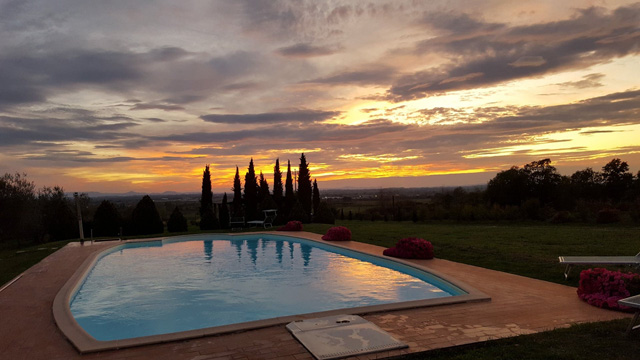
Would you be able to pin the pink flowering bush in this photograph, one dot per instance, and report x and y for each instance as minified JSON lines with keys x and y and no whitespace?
{"x":337,"y":233}
{"x":411,"y":248}
{"x":603,"y":288}
{"x":291,"y":226}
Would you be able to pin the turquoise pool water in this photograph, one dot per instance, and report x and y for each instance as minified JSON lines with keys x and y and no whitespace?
{"x":195,"y":282}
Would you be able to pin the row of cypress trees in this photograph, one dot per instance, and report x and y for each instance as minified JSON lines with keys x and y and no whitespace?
{"x":248,"y":201}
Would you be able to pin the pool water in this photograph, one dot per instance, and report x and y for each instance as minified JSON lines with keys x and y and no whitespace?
{"x":189,"y":283}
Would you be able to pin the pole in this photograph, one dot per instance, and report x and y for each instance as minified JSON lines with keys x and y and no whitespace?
{"x":75,"y":195}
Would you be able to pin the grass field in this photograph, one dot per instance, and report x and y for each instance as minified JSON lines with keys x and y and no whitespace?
{"x":530,"y":250}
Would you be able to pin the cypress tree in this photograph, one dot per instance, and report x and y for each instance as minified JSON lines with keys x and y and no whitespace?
{"x":251,"y":193}
{"x":316,"y":197}
{"x":208,"y":219}
{"x":289,"y":196}
{"x":224,"y":213}
{"x":277,"y":184}
{"x":237,"y":195}
{"x":304,"y":185}
{"x":263,"y":189}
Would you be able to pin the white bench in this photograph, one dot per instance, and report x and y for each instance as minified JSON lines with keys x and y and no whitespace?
{"x":632,"y":302}
{"x":269,"y":217}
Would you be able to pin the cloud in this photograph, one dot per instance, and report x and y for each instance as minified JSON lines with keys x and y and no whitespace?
{"x":529,"y":61}
{"x":588,"y":81}
{"x":165,"y":107}
{"x":305,"y":50}
{"x":301,"y":116}
{"x":501,"y":53}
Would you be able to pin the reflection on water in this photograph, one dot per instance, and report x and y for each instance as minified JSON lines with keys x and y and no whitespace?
{"x":208,"y":249}
{"x":153,"y":290}
{"x":279,"y":246}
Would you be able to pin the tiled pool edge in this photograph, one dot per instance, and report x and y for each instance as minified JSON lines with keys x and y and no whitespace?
{"x":84,"y":343}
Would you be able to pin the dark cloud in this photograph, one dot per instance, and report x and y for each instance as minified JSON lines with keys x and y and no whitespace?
{"x":500,"y":54}
{"x":155,"y":120}
{"x":300,"y":116}
{"x":457,"y":23}
{"x":184,"y":99}
{"x":305,"y":50}
{"x":375,"y":75}
{"x":34,"y":131}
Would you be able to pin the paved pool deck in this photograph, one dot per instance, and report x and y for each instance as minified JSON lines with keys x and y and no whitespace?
{"x":518,"y":305}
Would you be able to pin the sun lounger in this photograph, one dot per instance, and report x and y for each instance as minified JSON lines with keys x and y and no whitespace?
{"x":632,"y":302}
{"x":598,"y":260}
{"x":269,"y":217}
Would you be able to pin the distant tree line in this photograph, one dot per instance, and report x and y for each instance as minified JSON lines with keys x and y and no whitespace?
{"x":535,"y":191}
{"x":249,"y":200}
{"x":30,"y":216}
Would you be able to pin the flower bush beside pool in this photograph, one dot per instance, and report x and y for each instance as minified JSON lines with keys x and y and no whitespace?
{"x":411,"y":248}
{"x":603,"y":288}
{"x":337,"y":233}
{"x":291,"y":226}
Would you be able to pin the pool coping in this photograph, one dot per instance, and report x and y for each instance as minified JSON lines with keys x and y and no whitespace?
{"x":85,"y":343}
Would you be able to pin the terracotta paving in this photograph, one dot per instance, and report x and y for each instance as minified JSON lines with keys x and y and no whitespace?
{"x":519,"y":305}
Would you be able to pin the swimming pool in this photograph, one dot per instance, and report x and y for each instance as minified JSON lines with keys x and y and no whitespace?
{"x":191,"y":285}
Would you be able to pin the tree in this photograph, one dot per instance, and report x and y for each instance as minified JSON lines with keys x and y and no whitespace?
{"x":277,"y":184}
{"x":542,"y":180}
{"x":106,"y":220}
{"x":616,"y":178}
{"x":59,"y":222}
{"x":316,"y":197}
{"x":237,"y":195}
{"x":146,"y":219}
{"x":304,"y":185}
{"x":208,"y":219}
{"x":17,"y":205}
{"x":251,"y":193}
{"x":263,"y":189}
{"x":508,"y":187}
{"x":177,"y":221}
{"x":586,"y":184}
{"x":289,"y":196}
{"x":224,"y":213}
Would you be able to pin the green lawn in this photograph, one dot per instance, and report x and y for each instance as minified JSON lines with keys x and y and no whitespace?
{"x":15,"y":261}
{"x":530,"y":250}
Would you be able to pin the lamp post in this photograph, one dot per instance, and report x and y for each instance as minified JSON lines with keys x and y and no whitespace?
{"x":75,"y":195}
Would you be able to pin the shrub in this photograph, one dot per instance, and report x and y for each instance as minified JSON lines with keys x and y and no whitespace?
{"x":106,"y":220}
{"x":561,"y":217}
{"x":411,"y":248}
{"x":337,"y":233}
{"x":603,"y":288}
{"x":145,"y":218}
{"x":324,"y":215}
{"x":291,"y":226}
{"x":298,"y":213}
{"x":177,"y":222}
{"x":608,"y":216}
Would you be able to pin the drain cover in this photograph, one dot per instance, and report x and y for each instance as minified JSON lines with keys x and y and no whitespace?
{"x":334,"y":337}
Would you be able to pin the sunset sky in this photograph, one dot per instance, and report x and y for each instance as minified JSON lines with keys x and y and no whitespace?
{"x":117,"y":96}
